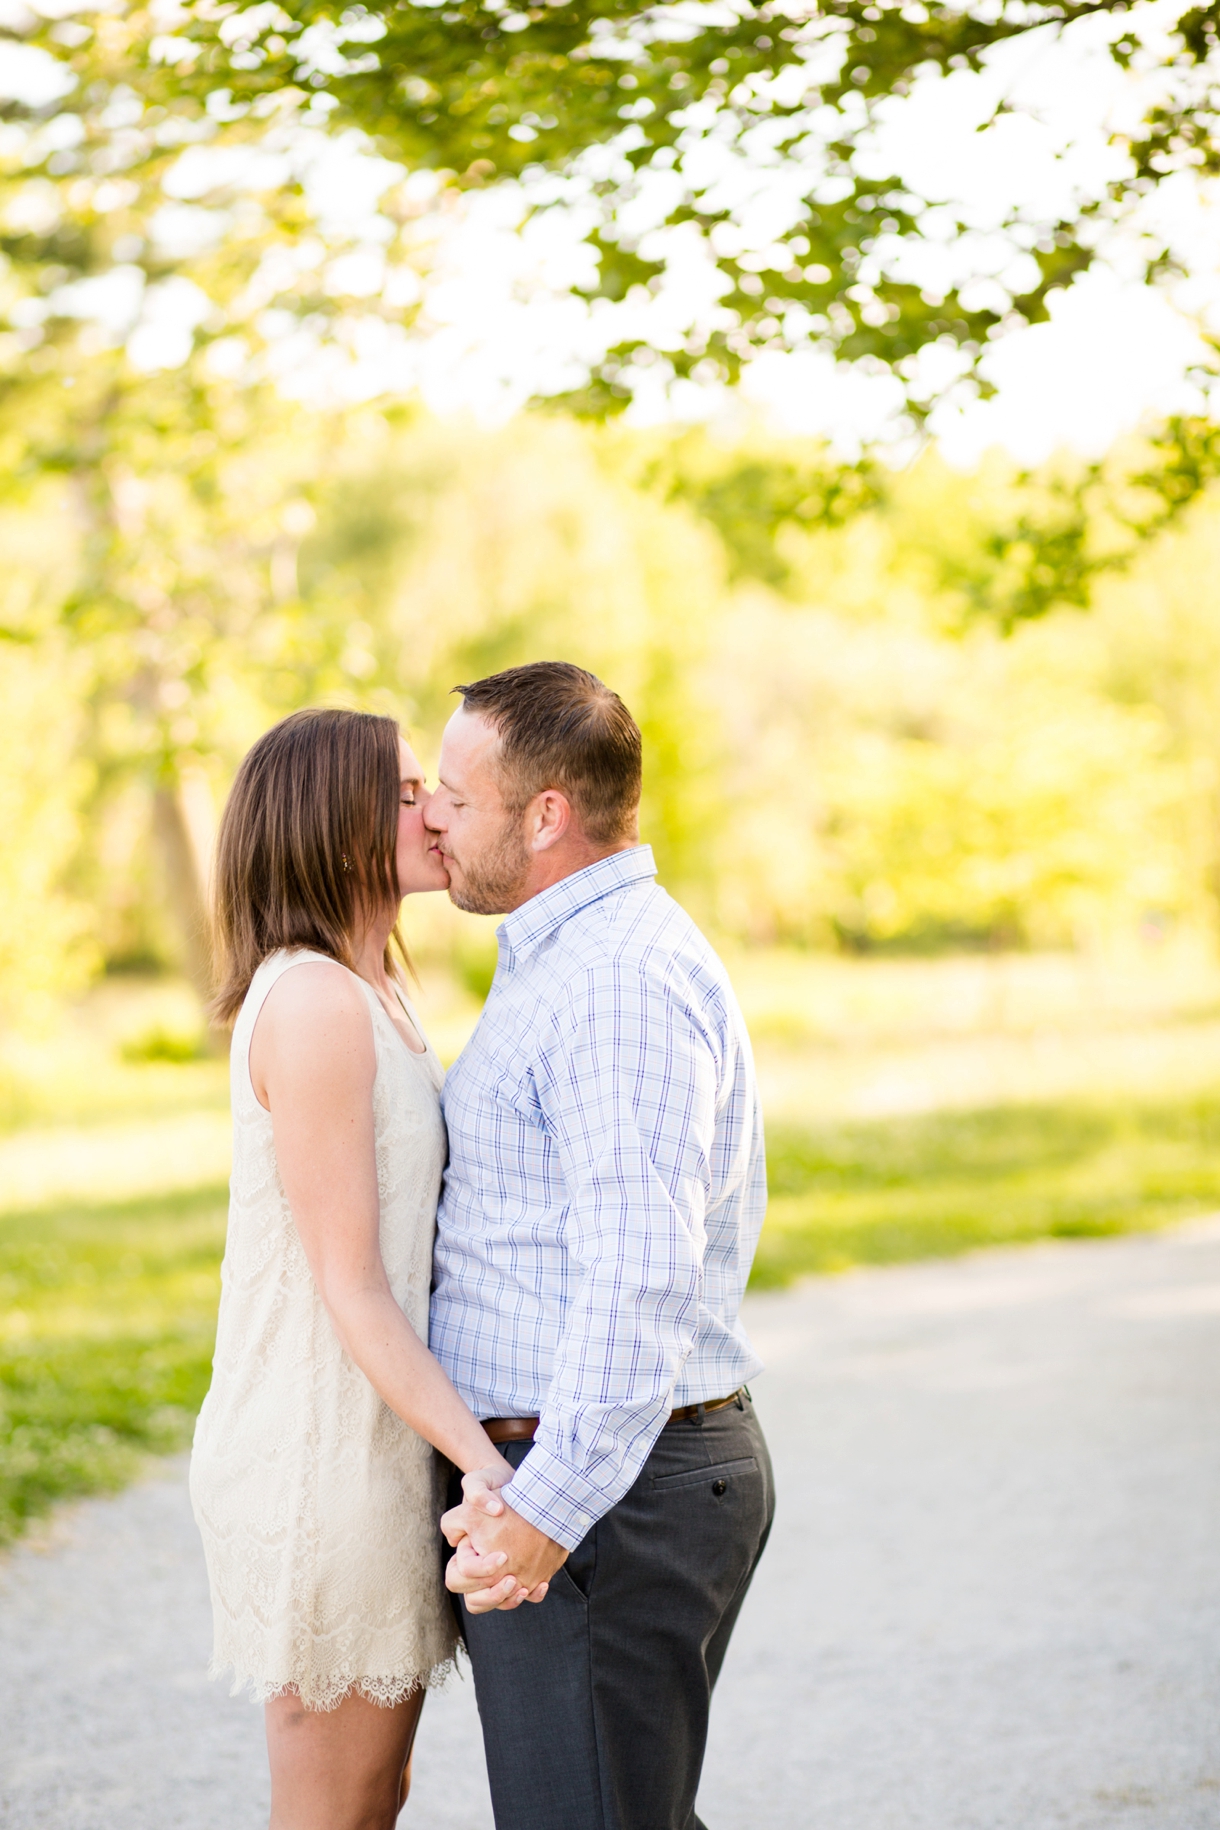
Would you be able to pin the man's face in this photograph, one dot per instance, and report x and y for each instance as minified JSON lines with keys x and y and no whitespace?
{"x":478,"y":841}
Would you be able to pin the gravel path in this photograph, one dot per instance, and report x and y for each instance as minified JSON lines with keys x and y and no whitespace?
{"x":992,"y":1601}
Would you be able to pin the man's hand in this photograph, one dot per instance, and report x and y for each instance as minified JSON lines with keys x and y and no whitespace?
{"x":491,"y":1539}
{"x":482,"y":1578}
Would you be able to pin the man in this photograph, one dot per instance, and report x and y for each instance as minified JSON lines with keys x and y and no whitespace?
{"x":602,"y":1203}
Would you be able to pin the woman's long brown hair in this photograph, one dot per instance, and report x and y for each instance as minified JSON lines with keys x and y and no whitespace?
{"x":307,"y":844}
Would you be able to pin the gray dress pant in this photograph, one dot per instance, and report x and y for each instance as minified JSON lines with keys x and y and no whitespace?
{"x":594,"y":1703}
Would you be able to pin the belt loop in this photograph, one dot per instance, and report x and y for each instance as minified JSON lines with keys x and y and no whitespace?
{"x":700,"y":1414}
{"x":739,"y":1398}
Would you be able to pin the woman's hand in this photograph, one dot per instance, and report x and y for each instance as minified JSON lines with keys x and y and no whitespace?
{"x":478,"y":1574}
{"x":481,"y":1486}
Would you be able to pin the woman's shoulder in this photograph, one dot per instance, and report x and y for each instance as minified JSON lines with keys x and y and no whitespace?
{"x":302,"y":990}
{"x":314,"y":1024}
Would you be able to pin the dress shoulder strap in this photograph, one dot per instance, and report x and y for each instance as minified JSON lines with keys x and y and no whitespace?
{"x":269,"y":973}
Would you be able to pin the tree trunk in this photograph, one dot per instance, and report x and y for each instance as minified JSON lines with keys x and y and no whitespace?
{"x":184,"y":822}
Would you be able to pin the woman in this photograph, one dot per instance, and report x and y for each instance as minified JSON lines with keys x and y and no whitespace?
{"x":313,"y":1480}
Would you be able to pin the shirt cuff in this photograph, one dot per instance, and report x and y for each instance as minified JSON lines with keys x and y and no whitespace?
{"x":553,"y":1496}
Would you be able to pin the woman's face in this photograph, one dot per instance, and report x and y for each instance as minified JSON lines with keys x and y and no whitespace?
{"x":419,"y":866}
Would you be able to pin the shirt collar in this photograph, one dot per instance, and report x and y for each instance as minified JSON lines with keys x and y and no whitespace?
{"x":520,"y":932}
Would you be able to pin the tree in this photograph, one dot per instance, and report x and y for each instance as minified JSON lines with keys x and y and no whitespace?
{"x":627,"y":101}
{"x":134,"y":375}
{"x":641,"y":116}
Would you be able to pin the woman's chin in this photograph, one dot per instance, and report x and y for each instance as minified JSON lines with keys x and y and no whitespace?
{"x":434,"y":881}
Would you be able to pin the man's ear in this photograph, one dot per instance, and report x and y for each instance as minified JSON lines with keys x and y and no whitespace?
{"x":548,"y":820}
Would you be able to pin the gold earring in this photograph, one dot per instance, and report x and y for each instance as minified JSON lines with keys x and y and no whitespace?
{"x":345,"y":861}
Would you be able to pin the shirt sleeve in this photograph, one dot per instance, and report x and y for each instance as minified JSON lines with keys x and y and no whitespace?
{"x":626,"y":1082}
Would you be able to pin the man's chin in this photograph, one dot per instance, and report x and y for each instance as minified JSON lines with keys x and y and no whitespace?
{"x":473,"y":902}
{"x":495,"y":882}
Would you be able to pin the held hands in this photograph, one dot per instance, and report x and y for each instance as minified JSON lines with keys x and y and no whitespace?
{"x":490,"y":1538}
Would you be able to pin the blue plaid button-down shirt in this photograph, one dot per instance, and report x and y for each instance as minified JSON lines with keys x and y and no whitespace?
{"x":605,"y":1189}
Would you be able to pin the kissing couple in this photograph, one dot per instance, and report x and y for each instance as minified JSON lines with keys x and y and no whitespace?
{"x":513,"y":1292}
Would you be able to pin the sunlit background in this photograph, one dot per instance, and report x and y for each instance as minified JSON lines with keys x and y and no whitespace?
{"x":931,"y":719}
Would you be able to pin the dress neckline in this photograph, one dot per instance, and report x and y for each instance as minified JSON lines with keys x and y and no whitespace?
{"x":416,"y":1054}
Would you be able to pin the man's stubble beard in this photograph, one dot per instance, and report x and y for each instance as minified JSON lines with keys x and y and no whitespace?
{"x":495,"y":883}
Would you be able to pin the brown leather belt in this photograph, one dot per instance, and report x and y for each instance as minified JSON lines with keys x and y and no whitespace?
{"x":521,"y":1429}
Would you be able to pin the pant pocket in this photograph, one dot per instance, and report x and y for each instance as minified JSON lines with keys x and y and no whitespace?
{"x":575,"y":1573}
{"x":723,"y":1471}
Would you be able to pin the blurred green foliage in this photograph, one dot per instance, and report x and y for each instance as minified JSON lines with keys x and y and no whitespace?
{"x":189,"y":551}
{"x":474,"y":964}
{"x":842,"y":748}
{"x":621,"y":93}
{"x":157,"y":166}
{"x":161,"y":1044}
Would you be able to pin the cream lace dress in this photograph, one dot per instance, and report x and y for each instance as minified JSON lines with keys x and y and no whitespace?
{"x":318,"y":1506}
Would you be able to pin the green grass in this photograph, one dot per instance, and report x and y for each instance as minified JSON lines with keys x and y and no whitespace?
{"x":107,"y":1316}
{"x":889,"y":1189}
{"x":107,"y":1312}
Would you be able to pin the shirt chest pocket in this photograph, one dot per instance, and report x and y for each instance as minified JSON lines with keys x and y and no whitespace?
{"x":513,"y":1093}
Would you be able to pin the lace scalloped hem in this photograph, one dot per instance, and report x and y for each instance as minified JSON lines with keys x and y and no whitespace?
{"x":325,"y":1695}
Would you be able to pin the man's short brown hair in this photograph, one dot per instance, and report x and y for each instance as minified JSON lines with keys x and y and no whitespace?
{"x":561,"y":728}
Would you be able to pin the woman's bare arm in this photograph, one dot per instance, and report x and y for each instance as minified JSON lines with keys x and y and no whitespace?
{"x":312,"y":1064}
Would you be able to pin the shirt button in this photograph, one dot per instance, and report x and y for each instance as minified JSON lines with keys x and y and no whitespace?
{"x":719,"y":1488}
